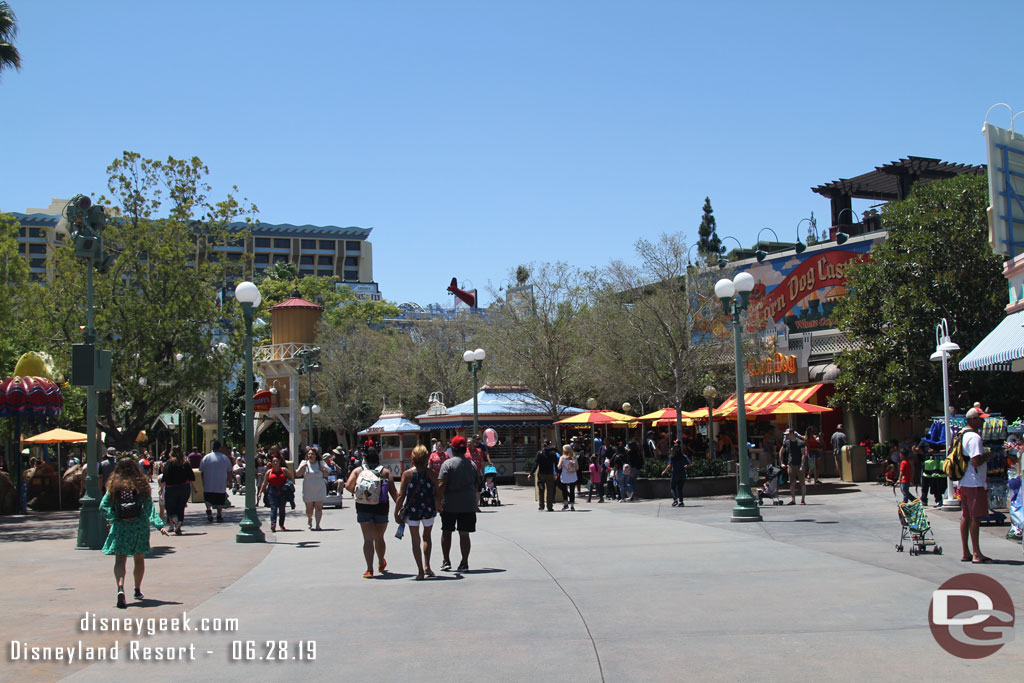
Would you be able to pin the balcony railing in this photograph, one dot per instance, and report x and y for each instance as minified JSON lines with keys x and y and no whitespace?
{"x":269,"y":352}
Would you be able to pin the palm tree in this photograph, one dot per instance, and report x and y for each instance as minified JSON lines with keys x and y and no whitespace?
{"x":9,"y":56}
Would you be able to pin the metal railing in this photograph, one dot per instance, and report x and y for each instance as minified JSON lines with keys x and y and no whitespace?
{"x":287,"y":351}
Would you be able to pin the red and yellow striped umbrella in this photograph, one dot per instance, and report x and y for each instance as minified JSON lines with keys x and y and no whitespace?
{"x":597,"y":417}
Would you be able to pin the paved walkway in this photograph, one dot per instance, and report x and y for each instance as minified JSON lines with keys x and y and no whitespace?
{"x":614,"y":592}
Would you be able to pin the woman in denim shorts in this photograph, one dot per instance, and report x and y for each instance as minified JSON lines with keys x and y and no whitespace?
{"x":419,"y":488}
{"x":373,"y":519}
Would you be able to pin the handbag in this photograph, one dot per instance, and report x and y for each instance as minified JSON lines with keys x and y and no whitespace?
{"x":403,"y":512}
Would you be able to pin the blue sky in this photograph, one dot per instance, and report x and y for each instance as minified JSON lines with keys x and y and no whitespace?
{"x":474,"y":136}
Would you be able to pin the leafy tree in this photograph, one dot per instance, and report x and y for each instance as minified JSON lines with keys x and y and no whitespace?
{"x":709,"y":245}
{"x":532,"y":337}
{"x":282,"y":270}
{"x":10,"y":58}
{"x":159,"y":298}
{"x":14,"y":279}
{"x":642,"y":329}
{"x":935,"y":263}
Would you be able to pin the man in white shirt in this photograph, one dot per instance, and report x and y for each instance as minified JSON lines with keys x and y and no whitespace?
{"x":216,"y":468}
{"x":973,"y":491}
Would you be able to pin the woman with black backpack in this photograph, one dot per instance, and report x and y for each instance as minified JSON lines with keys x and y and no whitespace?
{"x":128,"y":506}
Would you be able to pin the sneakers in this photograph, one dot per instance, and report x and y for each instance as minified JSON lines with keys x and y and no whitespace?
{"x":565,"y":507}
{"x":540,"y":507}
{"x":121,"y":602}
{"x":463,"y":567}
{"x":220,"y":517}
{"x":138,"y":594}
{"x":209,"y":516}
{"x":273,"y":529}
{"x":675,"y":503}
{"x":572,"y":508}
{"x":446,"y":565}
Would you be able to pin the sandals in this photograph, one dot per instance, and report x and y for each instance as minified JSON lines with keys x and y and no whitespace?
{"x":382,"y":566}
{"x":983,"y":560}
{"x":368,"y":574}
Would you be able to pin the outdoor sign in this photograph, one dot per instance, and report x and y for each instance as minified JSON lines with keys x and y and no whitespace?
{"x":262,"y":401}
{"x":1006,"y":190}
{"x":797,"y":290}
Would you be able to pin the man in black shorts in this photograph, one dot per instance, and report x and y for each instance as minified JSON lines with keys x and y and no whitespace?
{"x":457,"y":487}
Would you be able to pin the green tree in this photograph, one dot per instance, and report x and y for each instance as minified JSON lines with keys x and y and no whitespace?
{"x":10,"y":58}
{"x":709,"y":244}
{"x":532,"y":335}
{"x":642,"y":329}
{"x":14,"y":280}
{"x":935,"y":263}
{"x":158,"y":301}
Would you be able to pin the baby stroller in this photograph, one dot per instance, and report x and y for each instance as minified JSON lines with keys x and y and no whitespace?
{"x":770,"y":488}
{"x":489,"y":490}
{"x":915,"y":526}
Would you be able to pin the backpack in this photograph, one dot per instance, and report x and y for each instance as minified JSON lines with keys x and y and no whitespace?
{"x":955,"y":464}
{"x":128,"y":505}
{"x":571,"y":465}
{"x":368,"y":486}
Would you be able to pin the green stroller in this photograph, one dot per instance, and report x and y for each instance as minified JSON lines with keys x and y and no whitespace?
{"x":916,"y":528}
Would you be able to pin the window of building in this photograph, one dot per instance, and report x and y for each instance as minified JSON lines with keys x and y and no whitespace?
{"x":261,"y":258}
{"x":326,"y":261}
{"x":282,"y":243}
{"x":37,"y":248}
{"x":353,"y":245}
{"x":280,"y":258}
{"x":36,"y":232}
{"x":305,"y":260}
{"x":352,"y":261}
{"x":352,"y":276}
{"x":262,"y":242}
{"x":37,"y":263}
{"x":234,"y":256}
{"x":329,"y":245}
{"x":308,"y":244}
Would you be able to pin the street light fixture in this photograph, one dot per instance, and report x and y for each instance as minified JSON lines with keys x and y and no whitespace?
{"x":474,"y":361}
{"x":841,"y":236}
{"x":710,"y":393}
{"x":248,"y":295}
{"x":943,"y":347}
{"x":735,"y":297}
{"x":309,"y":362}
{"x":761,"y":254}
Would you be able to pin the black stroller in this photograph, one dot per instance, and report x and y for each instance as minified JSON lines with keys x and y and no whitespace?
{"x":489,"y":490}
{"x":770,"y":488}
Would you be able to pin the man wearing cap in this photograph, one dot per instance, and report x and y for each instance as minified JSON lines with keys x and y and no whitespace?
{"x":794,"y":448}
{"x":216,"y":469}
{"x":973,"y":492}
{"x":547,"y":460}
{"x":106,"y":468}
{"x":457,"y":487}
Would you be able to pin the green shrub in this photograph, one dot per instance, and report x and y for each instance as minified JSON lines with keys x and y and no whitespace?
{"x":652,"y":469}
{"x":708,"y":467}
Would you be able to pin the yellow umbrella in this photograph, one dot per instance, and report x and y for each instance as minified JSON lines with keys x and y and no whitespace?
{"x":667,"y":416}
{"x":792,"y":408}
{"x":58,"y":436}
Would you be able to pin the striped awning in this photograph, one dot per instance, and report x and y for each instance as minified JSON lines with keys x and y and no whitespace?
{"x":756,"y":400}
{"x":1000,"y":348}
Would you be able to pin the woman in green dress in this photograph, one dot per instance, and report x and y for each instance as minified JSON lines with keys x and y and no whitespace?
{"x":128,"y":506}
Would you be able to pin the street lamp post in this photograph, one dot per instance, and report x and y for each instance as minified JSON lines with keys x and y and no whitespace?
{"x":309,"y":362}
{"x":474,"y":361}
{"x":248,"y":295}
{"x":710,"y":393}
{"x":90,"y":363}
{"x":735,"y":296}
{"x":943,"y":346}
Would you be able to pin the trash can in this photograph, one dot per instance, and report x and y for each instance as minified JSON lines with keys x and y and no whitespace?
{"x":855,"y":463}
{"x":197,"y":491}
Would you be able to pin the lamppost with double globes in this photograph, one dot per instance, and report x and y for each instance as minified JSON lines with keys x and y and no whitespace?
{"x":944,"y":345}
{"x":248,"y":295}
{"x":735,"y":297}
{"x":475,"y":361}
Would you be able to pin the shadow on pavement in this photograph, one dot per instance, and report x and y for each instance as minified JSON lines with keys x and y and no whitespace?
{"x":149,"y":602}
{"x":488,"y":570}
{"x":387,"y":576}
{"x":158,"y":551}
